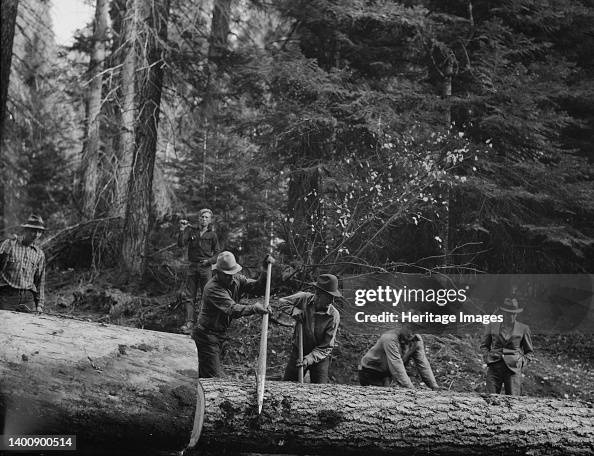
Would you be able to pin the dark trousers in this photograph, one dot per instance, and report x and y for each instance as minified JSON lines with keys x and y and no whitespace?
{"x":499,"y":374}
{"x":196,"y":278}
{"x":370,"y":377}
{"x":209,"y":353}
{"x":17,"y":300}
{"x":318,"y":372}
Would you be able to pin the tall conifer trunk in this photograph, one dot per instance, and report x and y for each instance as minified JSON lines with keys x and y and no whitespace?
{"x":127,"y":114}
{"x":152,"y":32}
{"x":89,"y":171}
{"x":218,"y":43}
{"x":9,"y":14}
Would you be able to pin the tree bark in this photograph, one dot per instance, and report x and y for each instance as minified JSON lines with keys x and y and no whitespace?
{"x":90,"y":157}
{"x":327,"y":419}
{"x":9,"y":13}
{"x":153,"y":31}
{"x":218,"y":46}
{"x":130,"y":388}
{"x":128,"y":107}
{"x":113,"y":387}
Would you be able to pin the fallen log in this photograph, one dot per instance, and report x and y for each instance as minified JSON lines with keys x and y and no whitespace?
{"x":144,"y":397}
{"x":111,"y":386}
{"x":327,"y":419}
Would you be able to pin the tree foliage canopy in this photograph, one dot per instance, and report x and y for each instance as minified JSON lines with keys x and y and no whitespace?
{"x":407,"y":135}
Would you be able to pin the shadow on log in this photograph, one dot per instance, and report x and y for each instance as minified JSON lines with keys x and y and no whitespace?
{"x":117,"y":387}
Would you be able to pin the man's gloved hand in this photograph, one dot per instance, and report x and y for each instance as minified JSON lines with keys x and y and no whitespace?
{"x":298,"y":315}
{"x":269,"y":259}
{"x":206,"y":263}
{"x":260,"y":309}
{"x":307,"y":361}
{"x":183,"y":224}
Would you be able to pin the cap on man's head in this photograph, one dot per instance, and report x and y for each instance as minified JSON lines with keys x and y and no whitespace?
{"x":35,"y":222}
{"x":205,"y":210}
{"x":226,"y":263}
{"x":329,"y":284}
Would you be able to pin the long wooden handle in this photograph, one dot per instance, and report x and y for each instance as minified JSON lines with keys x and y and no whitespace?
{"x":300,"y":352}
{"x":261,"y":370}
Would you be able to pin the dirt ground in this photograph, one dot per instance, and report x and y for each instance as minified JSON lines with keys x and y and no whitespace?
{"x":563,"y":366}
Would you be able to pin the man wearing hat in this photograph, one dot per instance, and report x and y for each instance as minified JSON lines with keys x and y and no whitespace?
{"x":383,"y":364}
{"x":22,"y":269}
{"x":507,"y":348}
{"x":220,"y":304}
{"x":319,"y":320}
{"x":203,"y":246}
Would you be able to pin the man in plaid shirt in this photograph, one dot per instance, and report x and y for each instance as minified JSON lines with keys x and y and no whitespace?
{"x":22,"y":269}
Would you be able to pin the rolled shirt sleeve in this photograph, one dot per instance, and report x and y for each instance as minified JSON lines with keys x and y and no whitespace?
{"x":395,"y":364}
{"x":422,"y":363}
{"x":289,"y":305}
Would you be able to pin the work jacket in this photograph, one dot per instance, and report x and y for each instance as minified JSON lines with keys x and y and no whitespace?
{"x":319,"y":328}
{"x":515,"y":350}
{"x":200,"y":248}
{"x":220,"y":304}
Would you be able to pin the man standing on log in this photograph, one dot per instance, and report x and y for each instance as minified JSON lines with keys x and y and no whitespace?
{"x":384,"y":363}
{"x":220,"y":304}
{"x":507,"y":348}
{"x":319,"y":320}
{"x":22,"y":269}
{"x":203,"y":246}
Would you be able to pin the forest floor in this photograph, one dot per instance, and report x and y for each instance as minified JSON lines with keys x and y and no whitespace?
{"x":563,"y":365}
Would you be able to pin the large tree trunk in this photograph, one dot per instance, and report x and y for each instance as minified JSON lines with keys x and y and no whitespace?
{"x":89,"y":171}
{"x":153,"y":19}
{"x":127,"y":92}
{"x":9,"y":13}
{"x":113,"y":387}
{"x":129,"y":388}
{"x":8,"y":17}
{"x":217,"y":49}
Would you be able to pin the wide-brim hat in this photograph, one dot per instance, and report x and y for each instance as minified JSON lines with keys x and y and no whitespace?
{"x":34,"y":222}
{"x":329,"y":284}
{"x":205,"y":210}
{"x":226,"y":263}
{"x":511,"y":306}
